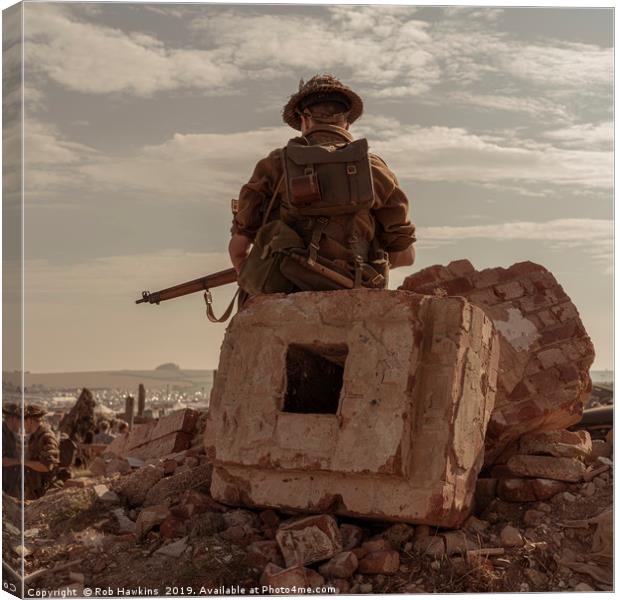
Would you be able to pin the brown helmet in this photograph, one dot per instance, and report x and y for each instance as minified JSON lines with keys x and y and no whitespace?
{"x":10,"y":410}
{"x":34,"y":411}
{"x":321,"y":88}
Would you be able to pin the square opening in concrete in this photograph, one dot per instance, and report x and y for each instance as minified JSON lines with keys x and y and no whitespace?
{"x":314,"y":378}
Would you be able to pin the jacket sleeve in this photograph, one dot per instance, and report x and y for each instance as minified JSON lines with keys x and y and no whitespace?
{"x":48,"y":453}
{"x":256,"y":194}
{"x":394,"y":231}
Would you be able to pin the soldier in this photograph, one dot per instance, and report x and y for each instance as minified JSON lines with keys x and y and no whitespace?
{"x":321,"y":213}
{"x":11,"y":450}
{"x":42,"y":454}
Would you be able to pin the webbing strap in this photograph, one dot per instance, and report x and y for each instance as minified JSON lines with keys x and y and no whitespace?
{"x":270,"y":205}
{"x":211,"y":315}
{"x":317,"y":232}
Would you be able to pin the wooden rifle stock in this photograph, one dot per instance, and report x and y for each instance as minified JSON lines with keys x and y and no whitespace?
{"x":190,"y":287}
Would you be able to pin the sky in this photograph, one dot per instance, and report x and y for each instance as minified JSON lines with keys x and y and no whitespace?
{"x":143,"y":121}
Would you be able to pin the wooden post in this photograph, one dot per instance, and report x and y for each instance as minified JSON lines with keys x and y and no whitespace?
{"x":141,"y":400}
{"x":129,"y":411}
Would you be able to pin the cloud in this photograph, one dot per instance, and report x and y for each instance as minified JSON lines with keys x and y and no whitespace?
{"x":97,"y":59}
{"x":586,"y":135}
{"x":456,"y":154}
{"x":191,"y":167}
{"x":593,"y":237}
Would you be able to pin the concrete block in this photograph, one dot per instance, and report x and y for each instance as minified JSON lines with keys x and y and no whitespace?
{"x":309,"y":540}
{"x":318,"y":394}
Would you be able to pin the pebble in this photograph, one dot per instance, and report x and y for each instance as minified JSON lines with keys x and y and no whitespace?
{"x":588,"y":489}
{"x":511,"y":537}
{"x":583,"y":587}
{"x":569,"y":497}
{"x":365,"y":588}
{"x":542,"y":507}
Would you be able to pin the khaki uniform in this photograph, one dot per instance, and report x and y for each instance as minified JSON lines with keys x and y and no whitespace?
{"x":387,"y":220}
{"x":42,"y":447}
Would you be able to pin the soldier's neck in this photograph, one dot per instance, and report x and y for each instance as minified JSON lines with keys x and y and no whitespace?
{"x":326,"y":131}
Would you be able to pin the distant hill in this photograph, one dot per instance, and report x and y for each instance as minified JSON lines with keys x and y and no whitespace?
{"x":126,"y":379}
{"x":602,"y":376}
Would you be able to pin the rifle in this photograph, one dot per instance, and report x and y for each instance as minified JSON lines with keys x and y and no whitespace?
{"x":191,"y":287}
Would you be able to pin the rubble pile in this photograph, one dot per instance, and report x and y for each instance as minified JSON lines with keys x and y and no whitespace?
{"x":159,"y":526}
{"x":545,"y":352}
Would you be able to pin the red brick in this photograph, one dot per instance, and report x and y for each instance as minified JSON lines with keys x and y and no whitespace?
{"x":551,"y":357}
{"x":343,"y":565}
{"x":430,"y":275}
{"x":510,"y":290}
{"x":565,"y":312}
{"x":565,"y":331}
{"x":461,"y":267}
{"x":547,"y":488}
{"x":458,"y":286}
{"x":351,"y":535}
{"x":486,"y":278}
{"x":546,"y":381}
{"x":380,"y":562}
{"x":547,"y":467}
{"x":298,"y":540}
{"x":260,"y":554}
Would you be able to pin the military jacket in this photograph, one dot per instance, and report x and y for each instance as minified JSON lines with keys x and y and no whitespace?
{"x":387,"y":220}
{"x":42,"y":447}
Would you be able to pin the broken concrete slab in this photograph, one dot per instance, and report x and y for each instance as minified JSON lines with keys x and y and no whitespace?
{"x":309,"y":540}
{"x":546,"y":353}
{"x":157,"y":438}
{"x":406,"y":384}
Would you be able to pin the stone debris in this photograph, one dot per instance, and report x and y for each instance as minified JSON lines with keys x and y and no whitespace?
{"x":309,"y":540}
{"x":560,"y":443}
{"x":380,"y":561}
{"x":430,"y":545}
{"x":510,"y":537}
{"x":260,"y":554}
{"x":125,"y":524}
{"x":545,"y":354}
{"x":173,"y":550}
{"x":558,"y":469}
{"x":341,"y":566}
{"x":140,"y":483}
{"x":104,"y":494}
{"x":528,"y":490}
{"x":293,"y":577}
{"x":150,"y":517}
{"x":458,"y":543}
{"x":411,"y":377}
{"x":169,"y":488}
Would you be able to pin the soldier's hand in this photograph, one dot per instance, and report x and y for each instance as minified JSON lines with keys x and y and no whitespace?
{"x":238,"y":250}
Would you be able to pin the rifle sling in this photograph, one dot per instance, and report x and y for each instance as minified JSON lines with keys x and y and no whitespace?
{"x":211,"y":315}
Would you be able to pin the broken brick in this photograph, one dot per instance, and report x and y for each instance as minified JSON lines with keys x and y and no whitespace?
{"x":309,"y":540}
{"x":351,"y":536}
{"x":380,"y":562}
{"x":547,"y":467}
{"x":342,"y":566}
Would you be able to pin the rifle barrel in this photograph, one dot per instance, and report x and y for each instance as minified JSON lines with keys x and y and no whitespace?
{"x":189,"y":287}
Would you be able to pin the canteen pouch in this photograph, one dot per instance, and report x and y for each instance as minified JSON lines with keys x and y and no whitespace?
{"x":260,"y":273}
